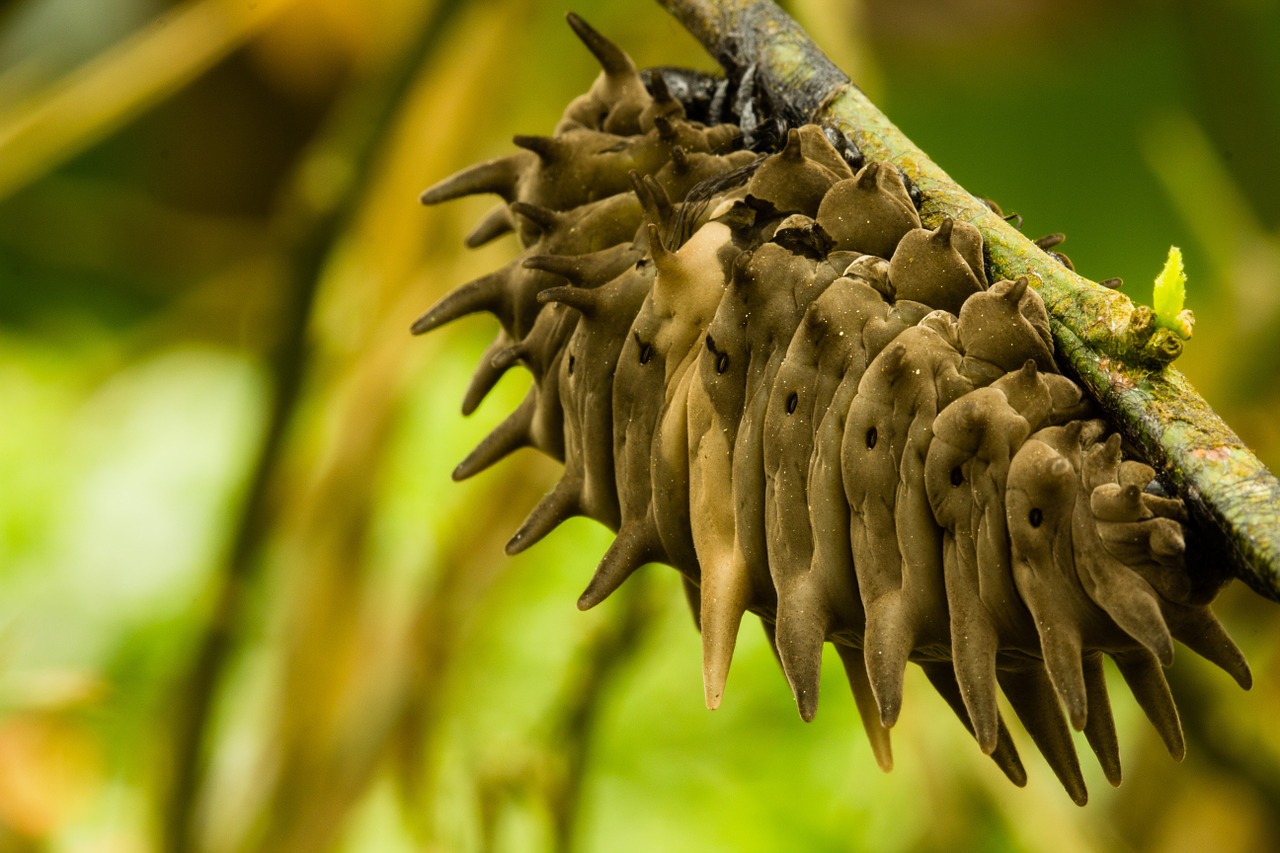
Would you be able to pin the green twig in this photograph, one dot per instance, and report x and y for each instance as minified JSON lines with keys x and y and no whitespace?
{"x":1116,"y":348}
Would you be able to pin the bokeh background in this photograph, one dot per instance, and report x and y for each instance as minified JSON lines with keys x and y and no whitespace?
{"x":242,"y":606}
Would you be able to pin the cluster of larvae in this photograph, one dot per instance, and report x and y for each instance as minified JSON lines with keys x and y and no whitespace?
{"x":763,"y":371}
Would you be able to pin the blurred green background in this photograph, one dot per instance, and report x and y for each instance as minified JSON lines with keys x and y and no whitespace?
{"x":242,"y":606}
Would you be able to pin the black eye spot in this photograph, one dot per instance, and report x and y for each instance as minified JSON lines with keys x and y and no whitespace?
{"x":571,"y":360}
{"x":1036,"y":517}
{"x":646,"y":353}
{"x":957,"y":476}
{"x":793,"y":400}
{"x":722,"y":362}
{"x":872,"y":435}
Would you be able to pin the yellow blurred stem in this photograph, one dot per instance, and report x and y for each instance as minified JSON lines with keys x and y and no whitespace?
{"x":89,"y":103}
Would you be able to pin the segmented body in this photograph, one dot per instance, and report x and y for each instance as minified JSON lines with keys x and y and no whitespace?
{"x":764,"y":371}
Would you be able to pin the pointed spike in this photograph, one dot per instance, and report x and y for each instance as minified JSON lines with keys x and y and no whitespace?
{"x":611,"y":57}
{"x":508,"y":437}
{"x":662,"y":258}
{"x":565,"y":266}
{"x":943,"y":234}
{"x":495,"y":223}
{"x":1005,"y":755}
{"x":591,"y":269}
{"x":1017,"y":291}
{"x":855,"y":670}
{"x":1062,"y":647}
{"x":1199,"y":630}
{"x":891,"y":360}
{"x":800,"y":639}
{"x":482,"y":294}
{"x":661,"y":200}
{"x":771,"y":635}
{"x":584,"y":301}
{"x":638,"y":187}
{"x":544,"y":218}
{"x":792,"y":150}
{"x":546,"y":147}
{"x":504,"y":359}
{"x":635,"y":545}
{"x":975,"y":670}
{"x":1132,"y":605}
{"x":559,"y":505}
{"x":888,"y":644}
{"x":1033,"y":700}
{"x":654,"y":200}
{"x":693,"y":598}
{"x":1146,"y":680}
{"x":867,"y":177}
{"x":493,"y":176}
{"x":659,"y":92}
{"x":1007,"y":759}
{"x":1100,"y":730}
{"x":487,"y":374}
{"x":725,"y":590}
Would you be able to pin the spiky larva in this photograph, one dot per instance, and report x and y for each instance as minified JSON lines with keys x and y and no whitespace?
{"x":766,"y":372}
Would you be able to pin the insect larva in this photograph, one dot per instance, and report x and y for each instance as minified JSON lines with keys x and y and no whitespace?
{"x":766,"y":372}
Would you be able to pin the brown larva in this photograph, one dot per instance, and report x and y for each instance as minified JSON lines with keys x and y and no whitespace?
{"x":764,"y":371}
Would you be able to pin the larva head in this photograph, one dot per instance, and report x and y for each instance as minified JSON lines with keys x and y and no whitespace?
{"x":869,"y":213}
{"x":939,"y":268}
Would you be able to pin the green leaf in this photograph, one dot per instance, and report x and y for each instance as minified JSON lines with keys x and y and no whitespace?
{"x":1171,"y":291}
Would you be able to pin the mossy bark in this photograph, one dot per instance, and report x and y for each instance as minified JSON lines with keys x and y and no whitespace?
{"x":1115,"y":347}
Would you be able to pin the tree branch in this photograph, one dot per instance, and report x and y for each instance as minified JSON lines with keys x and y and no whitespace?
{"x":1113,"y":346}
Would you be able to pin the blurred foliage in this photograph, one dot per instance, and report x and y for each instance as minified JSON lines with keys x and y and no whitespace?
{"x":243,"y":608}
